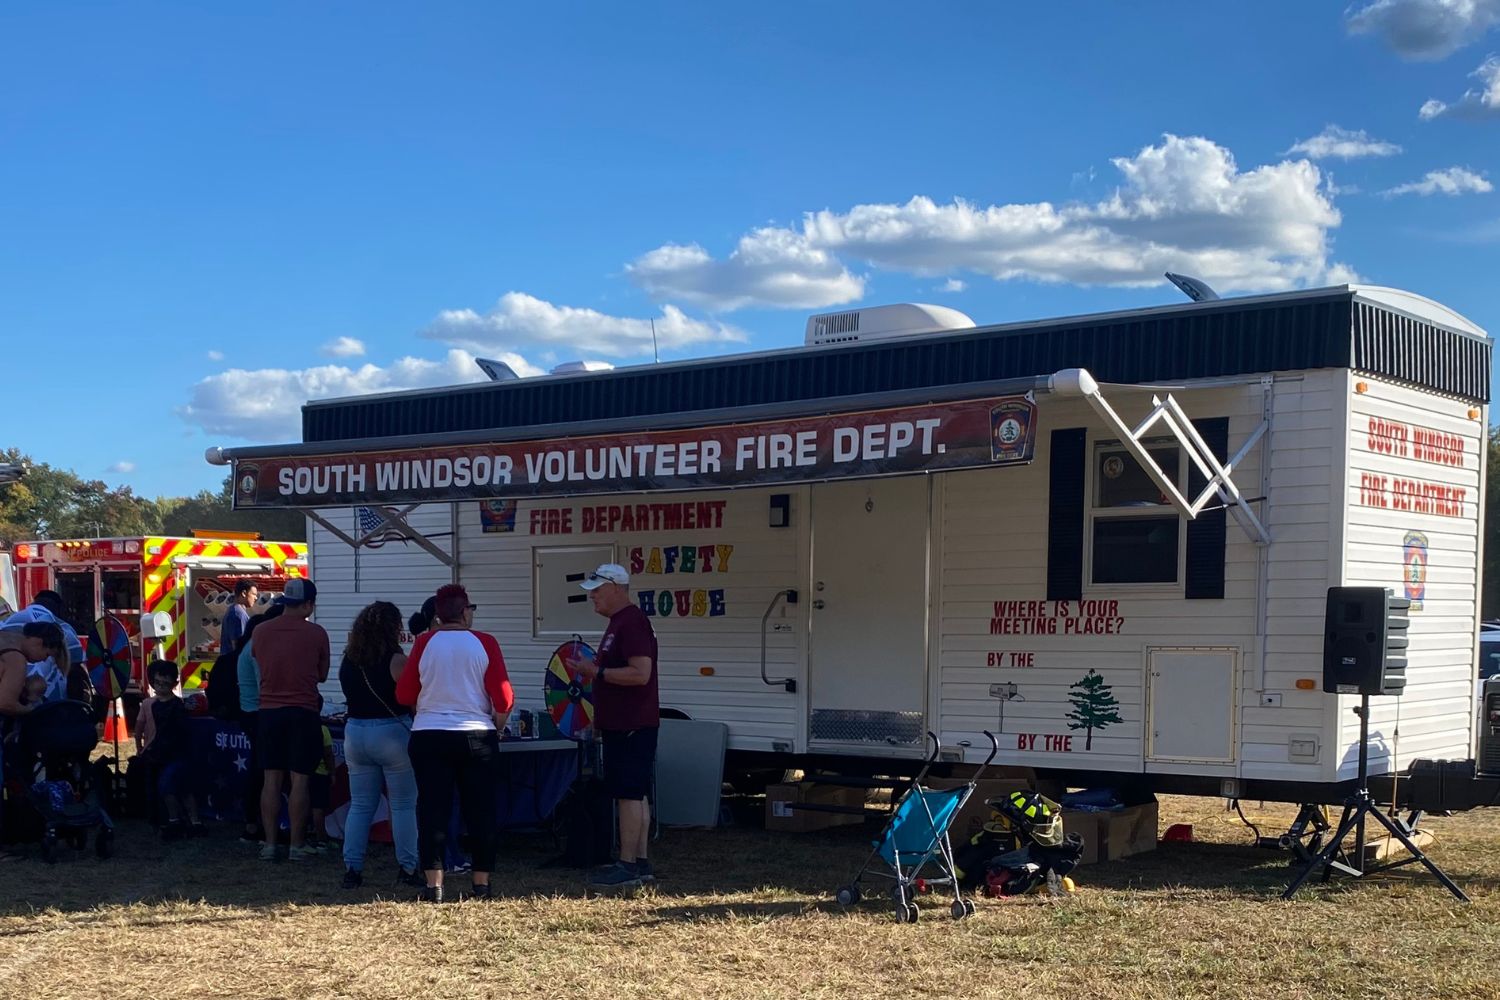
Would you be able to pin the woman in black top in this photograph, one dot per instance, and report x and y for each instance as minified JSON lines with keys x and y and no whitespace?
{"x":375,"y":740}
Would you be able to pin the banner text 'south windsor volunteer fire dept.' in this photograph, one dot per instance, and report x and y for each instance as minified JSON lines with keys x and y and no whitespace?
{"x":930,"y":438}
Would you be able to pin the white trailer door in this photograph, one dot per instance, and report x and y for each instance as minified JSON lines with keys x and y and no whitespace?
{"x":1192,"y":704}
{"x":868,"y":665}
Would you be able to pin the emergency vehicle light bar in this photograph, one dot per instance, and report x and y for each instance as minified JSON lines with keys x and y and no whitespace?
{"x":242,"y":565}
{"x":1166,"y":411}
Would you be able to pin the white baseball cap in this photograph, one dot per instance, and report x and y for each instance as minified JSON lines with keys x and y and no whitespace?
{"x":608,"y":573}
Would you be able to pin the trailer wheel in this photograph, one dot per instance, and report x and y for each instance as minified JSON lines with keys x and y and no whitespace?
{"x":912,"y":913}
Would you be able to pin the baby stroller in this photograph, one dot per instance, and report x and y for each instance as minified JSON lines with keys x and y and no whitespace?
{"x":915,"y":837}
{"x":63,"y":786}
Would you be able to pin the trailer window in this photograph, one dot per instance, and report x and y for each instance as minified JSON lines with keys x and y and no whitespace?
{"x":1135,"y":535}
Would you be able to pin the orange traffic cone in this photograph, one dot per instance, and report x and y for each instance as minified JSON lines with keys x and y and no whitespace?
{"x":115,"y":728}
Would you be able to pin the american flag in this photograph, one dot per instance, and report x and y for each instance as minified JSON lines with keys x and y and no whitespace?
{"x":374,"y":529}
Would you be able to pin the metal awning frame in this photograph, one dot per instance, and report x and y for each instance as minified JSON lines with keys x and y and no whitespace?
{"x":391,"y":519}
{"x":1165,"y":410}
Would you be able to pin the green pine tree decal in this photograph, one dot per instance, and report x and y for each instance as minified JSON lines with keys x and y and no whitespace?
{"x":1094,"y":706}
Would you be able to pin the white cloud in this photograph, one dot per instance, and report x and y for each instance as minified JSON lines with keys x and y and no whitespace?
{"x":343,"y":347}
{"x":121,"y":468}
{"x":1184,"y":205}
{"x":522,"y":322}
{"x":216,"y":355}
{"x":266,"y":405}
{"x":1452,"y":182}
{"x":1426,"y":29}
{"x":952,"y":285}
{"x":1343,"y":144}
{"x":770,"y":267}
{"x":1477,"y":102}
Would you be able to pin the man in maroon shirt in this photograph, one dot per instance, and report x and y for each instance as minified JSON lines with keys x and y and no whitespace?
{"x":627,"y":714}
{"x":293,"y":656}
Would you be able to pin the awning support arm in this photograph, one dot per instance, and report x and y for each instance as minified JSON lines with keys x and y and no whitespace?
{"x":389,"y":517}
{"x":1165,"y":410}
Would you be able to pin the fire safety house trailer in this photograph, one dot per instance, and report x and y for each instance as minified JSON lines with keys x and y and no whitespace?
{"x":1108,"y":538}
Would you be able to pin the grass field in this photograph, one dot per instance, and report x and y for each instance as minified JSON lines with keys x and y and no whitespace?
{"x":741,"y":913}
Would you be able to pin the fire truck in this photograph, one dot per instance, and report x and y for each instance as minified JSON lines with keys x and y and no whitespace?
{"x":190,"y":580}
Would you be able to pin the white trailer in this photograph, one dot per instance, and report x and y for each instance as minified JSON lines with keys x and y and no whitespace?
{"x":1130,"y":582}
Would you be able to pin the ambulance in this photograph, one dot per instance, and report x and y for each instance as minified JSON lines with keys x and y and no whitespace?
{"x":190,"y":580}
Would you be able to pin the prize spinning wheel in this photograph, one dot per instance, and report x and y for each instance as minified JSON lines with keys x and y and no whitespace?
{"x":570,"y":699}
{"x":108,"y":656}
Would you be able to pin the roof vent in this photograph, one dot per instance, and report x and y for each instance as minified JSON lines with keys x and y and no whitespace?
{"x":581,"y":367}
{"x":882,"y":322}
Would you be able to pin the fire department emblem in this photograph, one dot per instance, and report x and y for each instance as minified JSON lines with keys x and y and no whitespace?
{"x":245,"y":484}
{"x":1414,"y":567}
{"x":1011,"y":426}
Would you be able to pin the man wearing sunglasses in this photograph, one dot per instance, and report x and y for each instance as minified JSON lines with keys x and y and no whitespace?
{"x":627,"y":713}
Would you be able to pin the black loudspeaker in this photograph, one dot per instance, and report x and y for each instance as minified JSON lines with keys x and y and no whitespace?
{"x":1364,"y":641}
{"x":587,"y":819}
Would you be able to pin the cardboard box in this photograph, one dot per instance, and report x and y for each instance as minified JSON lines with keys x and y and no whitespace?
{"x":783,"y":815}
{"x":1086,"y":825}
{"x":1110,"y":836}
{"x":1130,"y":831}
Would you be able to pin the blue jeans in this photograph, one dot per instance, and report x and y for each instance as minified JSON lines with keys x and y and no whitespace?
{"x":375,"y":750}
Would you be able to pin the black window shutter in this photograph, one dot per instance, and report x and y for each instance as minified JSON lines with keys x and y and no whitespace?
{"x":1206,"y":532}
{"x":1065,"y":515}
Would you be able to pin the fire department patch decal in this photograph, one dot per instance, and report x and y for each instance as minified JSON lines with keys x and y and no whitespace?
{"x":1012,"y":424}
{"x":1414,"y":567}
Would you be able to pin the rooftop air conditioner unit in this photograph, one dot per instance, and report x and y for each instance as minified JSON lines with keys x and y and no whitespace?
{"x":882,"y":322}
{"x":581,"y":367}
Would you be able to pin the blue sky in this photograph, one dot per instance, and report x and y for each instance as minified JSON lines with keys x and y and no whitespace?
{"x":207,"y":216}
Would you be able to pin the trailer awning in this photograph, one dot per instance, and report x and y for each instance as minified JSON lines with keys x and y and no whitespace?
{"x":973,"y":426}
{"x":984,"y":426}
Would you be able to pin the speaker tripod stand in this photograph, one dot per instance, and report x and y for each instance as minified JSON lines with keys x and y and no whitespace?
{"x":1357,"y":808}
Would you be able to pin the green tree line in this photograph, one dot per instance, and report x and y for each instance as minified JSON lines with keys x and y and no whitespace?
{"x":49,"y":502}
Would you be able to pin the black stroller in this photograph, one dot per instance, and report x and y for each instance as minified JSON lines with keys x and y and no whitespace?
{"x":63,"y":786}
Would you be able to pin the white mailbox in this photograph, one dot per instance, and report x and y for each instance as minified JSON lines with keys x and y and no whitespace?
{"x":156,"y":626}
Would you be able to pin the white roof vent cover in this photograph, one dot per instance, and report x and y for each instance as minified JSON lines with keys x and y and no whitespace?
{"x":882,"y":322}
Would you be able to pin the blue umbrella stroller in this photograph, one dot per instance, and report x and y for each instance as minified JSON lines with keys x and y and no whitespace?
{"x":915,"y":837}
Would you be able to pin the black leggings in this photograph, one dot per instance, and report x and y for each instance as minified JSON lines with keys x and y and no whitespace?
{"x":449,"y":760}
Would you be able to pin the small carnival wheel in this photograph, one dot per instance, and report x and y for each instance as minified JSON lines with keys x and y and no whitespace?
{"x":569,"y":698}
{"x":108,"y":657}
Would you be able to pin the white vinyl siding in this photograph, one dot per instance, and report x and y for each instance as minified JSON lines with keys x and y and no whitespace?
{"x":1433,"y":718}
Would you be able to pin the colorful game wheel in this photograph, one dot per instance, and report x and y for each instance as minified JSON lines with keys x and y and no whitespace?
{"x":570,"y":699}
{"x":108,"y":657}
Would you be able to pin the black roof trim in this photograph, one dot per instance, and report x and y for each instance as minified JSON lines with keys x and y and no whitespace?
{"x":1302,"y":332}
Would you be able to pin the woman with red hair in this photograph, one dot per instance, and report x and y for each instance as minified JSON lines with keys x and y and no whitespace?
{"x":455,"y":681}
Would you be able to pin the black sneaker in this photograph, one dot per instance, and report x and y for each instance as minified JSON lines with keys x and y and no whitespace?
{"x":431,"y":894}
{"x":643,"y":867}
{"x":481,"y":892}
{"x":620,"y":876}
{"x":353,"y":879}
{"x":250,"y":836}
{"x":414,"y":879}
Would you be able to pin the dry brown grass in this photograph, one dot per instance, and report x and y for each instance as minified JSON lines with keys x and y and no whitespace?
{"x":745,"y":914}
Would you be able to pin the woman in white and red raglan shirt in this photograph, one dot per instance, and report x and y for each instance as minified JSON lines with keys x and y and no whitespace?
{"x":455,"y":680}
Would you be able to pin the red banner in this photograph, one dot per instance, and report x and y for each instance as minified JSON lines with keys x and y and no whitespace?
{"x":931,"y":438}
